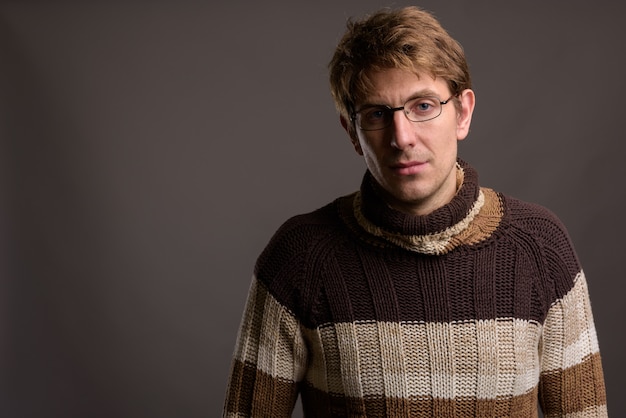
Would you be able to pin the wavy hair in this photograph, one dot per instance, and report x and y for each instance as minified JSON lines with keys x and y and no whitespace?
{"x":409,"y":38}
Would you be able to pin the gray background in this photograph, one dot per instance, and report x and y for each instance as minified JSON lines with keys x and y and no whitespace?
{"x":150,"y":149}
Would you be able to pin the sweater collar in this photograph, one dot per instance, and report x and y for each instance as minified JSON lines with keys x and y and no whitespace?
{"x":428,"y":233}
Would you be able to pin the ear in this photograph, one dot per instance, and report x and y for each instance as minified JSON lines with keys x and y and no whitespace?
{"x":349,"y":128}
{"x":464,"y":118}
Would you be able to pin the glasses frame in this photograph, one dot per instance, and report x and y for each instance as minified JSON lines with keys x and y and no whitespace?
{"x":392,"y":110}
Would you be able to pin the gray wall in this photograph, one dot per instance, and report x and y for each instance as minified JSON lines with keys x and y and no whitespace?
{"x":150,"y":149}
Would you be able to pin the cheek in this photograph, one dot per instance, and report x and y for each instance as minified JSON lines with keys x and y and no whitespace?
{"x":446,"y":139}
{"x":368,"y":151}
{"x":364,"y":146}
{"x":373,"y":161}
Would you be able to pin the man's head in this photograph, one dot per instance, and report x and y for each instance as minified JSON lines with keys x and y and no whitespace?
{"x":409,"y":39}
{"x":402,"y":87}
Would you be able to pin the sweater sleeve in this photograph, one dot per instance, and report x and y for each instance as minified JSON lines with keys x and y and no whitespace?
{"x":271,"y":355}
{"x":269,"y":360}
{"x":571,"y":380}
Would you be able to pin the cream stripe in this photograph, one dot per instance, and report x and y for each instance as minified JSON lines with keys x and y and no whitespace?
{"x":577,"y":309}
{"x":473,"y":358}
{"x":392,"y":359}
{"x":270,"y":337}
{"x":487,"y":382}
{"x":247,"y":342}
{"x":586,"y":345}
{"x":479,"y":359}
{"x":466,"y":375}
{"x":416,"y":357}
{"x":325,"y":364}
{"x":565,"y":347}
{"x":441,"y":350}
{"x":526,"y":350}
{"x":505,"y":357}
{"x":350,"y":355}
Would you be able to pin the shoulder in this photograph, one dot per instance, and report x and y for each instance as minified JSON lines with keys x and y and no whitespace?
{"x":298,"y":233}
{"x":539,"y":228}
{"x":534,"y":219}
{"x":289,"y":267}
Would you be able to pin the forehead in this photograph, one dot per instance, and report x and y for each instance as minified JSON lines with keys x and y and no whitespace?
{"x":395,"y":86}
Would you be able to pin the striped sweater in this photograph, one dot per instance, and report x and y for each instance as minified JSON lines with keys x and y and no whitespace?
{"x":479,"y":309}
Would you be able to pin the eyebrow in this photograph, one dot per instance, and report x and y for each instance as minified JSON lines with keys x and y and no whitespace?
{"x":418,"y":94}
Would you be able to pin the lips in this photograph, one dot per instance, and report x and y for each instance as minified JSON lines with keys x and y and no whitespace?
{"x":408,"y":168}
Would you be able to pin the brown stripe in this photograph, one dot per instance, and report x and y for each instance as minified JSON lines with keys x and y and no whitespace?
{"x":254,"y":393}
{"x":320,"y":404}
{"x":561,"y":400}
{"x":240,"y":388}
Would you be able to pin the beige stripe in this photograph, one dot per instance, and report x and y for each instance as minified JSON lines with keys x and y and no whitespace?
{"x":324,"y":365}
{"x":470,"y":359}
{"x":566,"y":347}
{"x":350,"y":357}
{"x":441,"y":350}
{"x":247,"y":340}
{"x":392,"y":359}
{"x":270,"y":337}
{"x":475,"y":359}
{"x":413,"y":350}
{"x":594,"y":411}
{"x":487,"y":352}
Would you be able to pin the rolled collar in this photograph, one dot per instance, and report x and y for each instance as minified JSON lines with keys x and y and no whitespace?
{"x":377,"y":212}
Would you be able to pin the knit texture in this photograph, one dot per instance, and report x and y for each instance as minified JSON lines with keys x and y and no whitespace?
{"x":479,"y":309}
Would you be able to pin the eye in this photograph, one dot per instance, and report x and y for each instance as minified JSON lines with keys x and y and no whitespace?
{"x":422,"y":107}
{"x":374,"y":114}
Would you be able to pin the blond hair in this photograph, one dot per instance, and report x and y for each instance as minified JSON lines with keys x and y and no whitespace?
{"x":408,"y":38}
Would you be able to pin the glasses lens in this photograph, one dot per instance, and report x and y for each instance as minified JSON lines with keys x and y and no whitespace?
{"x":372,"y":118}
{"x":422,"y":108}
{"x":419,"y":109}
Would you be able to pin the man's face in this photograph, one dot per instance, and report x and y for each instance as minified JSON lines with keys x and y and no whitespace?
{"x":413,"y":162}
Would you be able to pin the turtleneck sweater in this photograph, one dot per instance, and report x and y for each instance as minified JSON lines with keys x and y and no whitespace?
{"x":478,"y":309}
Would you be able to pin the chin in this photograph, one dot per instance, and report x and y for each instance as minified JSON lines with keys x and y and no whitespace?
{"x":411,"y":199}
{"x":412,"y":196}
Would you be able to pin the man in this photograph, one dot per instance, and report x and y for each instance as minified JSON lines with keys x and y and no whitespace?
{"x":422,"y":294}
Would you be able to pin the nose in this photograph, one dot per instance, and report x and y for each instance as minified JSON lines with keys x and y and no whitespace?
{"x":403,"y":132}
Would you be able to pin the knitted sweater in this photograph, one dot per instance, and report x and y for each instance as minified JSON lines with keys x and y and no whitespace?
{"x":479,"y":309}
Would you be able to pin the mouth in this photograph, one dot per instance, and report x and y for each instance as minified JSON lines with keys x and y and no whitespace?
{"x":408,"y":168}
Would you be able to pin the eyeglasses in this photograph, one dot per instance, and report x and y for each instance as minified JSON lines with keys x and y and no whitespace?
{"x":419,"y":109}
